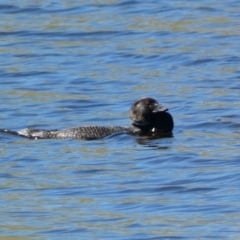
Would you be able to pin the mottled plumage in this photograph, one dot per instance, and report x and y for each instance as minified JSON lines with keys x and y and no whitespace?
{"x":84,"y":133}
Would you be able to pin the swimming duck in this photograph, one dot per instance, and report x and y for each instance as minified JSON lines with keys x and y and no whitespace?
{"x":146,"y":114}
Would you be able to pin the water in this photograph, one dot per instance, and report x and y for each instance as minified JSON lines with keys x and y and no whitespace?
{"x":73,"y":63}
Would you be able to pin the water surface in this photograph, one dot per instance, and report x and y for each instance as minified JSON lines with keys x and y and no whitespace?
{"x":72,"y":63}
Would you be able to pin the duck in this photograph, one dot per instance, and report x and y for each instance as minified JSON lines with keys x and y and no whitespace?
{"x":146,"y":114}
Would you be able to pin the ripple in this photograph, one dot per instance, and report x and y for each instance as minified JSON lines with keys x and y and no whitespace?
{"x":72,"y":64}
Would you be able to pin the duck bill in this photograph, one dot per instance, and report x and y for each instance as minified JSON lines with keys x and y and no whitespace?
{"x":159,"y":108}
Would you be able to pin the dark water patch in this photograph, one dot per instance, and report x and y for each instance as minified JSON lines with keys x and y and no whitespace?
{"x":162,"y":33}
{"x":140,"y":237}
{"x":63,"y":191}
{"x":63,"y":231}
{"x":230,"y":59}
{"x":78,"y":81}
{"x":13,"y":9}
{"x":128,"y":3}
{"x":35,"y":9}
{"x":28,"y":159}
{"x":202,"y":61}
{"x":168,"y":189}
{"x":198,"y":190}
{"x":7,"y":8}
{"x":225,"y":36}
{"x":220,"y":124}
{"x":38,"y":55}
{"x":7,"y":175}
{"x":89,"y":171}
{"x":58,"y":35}
{"x":28,"y":214}
{"x":208,"y":9}
{"x":105,"y":219}
{"x":138,"y":7}
{"x":23,"y":74}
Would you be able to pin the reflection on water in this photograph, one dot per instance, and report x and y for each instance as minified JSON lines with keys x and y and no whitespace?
{"x":73,"y":64}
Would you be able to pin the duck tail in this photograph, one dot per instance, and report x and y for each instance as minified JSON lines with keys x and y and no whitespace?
{"x":9,"y":132}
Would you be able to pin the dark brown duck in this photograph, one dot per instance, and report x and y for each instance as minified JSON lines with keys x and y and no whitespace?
{"x":146,"y":114}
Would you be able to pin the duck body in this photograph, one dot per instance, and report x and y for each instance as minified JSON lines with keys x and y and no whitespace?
{"x":83,"y":133}
{"x":146,"y":114}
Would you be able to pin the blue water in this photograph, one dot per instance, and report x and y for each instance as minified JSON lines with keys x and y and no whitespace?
{"x":74,"y":63}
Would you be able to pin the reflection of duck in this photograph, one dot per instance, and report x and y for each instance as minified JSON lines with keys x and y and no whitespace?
{"x":146,"y":113}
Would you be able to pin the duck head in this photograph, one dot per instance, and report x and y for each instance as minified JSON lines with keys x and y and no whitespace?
{"x":148,"y":115}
